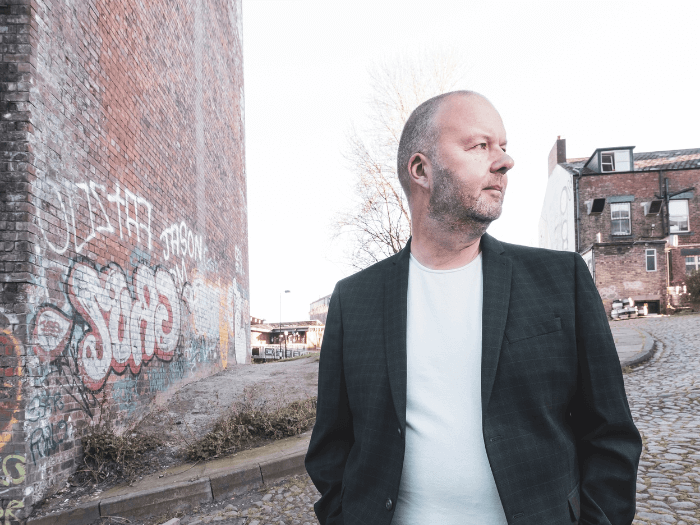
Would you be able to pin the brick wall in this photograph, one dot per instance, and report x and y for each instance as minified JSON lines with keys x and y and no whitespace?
{"x":124,"y":263}
{"x":642,"y":185}
{"x":620,"y":271}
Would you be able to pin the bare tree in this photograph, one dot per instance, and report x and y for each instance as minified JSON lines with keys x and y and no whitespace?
{"x":378,"y":224}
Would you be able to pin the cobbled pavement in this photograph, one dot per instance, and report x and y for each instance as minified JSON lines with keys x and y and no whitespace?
{"x":664,"y":396}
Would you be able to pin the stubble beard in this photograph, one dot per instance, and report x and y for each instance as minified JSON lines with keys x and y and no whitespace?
{"x":451,"y":206}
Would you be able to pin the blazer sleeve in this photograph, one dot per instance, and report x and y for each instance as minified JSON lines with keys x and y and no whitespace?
{"x":332,"y":436}
{"x":608,"y":443}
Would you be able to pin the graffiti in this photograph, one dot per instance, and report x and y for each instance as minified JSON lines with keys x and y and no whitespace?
{"x":45,"y":440}
{"x":115,"y":326}
{"x":10,"y":388}
{"x":161,"y":378}
{"x":238,"y":326}
{"x":122,"y":330}
{"x":13,"y":470}
{"x":134,"y":215}
{"x":66,"y":374}
{"x":7,"y":511}
{"x":180,"y":240}
{"x":43,"y":405}
{"x":125,"y":394}
{"x":52,"y":331}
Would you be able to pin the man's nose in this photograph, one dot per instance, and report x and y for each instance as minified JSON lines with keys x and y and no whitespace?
{"x":503,"y":164}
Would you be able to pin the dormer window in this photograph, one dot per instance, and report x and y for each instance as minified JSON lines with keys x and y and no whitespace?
{"x":615,"y":161}
{"x":611,"y":160}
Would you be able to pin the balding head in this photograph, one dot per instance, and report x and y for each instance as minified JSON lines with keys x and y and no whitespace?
{"x":420,"y":134}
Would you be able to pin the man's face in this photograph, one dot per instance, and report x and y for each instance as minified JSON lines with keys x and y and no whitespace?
{"x":469,"y":163}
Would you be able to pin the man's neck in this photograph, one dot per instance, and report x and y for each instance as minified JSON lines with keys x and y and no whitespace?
{"x":440,"y":250}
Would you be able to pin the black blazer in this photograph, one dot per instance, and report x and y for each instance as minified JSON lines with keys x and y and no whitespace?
{"x":557,"y":427}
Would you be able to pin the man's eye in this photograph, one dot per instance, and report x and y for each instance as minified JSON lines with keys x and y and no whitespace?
{"x":482,"y":145}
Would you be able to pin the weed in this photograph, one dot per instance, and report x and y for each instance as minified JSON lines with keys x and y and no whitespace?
{"x":253,"y":419}
{"x":108,"y":455}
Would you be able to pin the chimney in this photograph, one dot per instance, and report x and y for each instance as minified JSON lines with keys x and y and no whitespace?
{"x":557,"y":155}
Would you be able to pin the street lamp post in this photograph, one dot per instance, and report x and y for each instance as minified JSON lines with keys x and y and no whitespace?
{"x":280,"y":341}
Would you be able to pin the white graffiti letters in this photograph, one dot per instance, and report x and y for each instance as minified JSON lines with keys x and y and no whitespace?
{"x":137,"y":215}
{"x":123,"y":332}
{"x":180,"y":240}
{"x":94,"y":349}
{"x":167,"y":315}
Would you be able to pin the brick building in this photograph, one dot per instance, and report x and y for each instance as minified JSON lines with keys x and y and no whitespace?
{"x":318,"y":310}
{"x":634,"y":217}
{"x":123,"y":229}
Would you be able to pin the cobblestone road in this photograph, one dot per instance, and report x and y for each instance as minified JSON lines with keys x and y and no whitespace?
{"x":664,"y":396}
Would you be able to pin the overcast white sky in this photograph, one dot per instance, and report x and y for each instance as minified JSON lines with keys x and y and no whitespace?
{"x":599,"y":74}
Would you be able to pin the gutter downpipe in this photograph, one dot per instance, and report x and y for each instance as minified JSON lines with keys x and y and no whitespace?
{"x":578,"y":217}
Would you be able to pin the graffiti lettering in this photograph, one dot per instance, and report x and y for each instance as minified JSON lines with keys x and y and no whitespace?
{"x":116,"y":325}
{"x":52,"y":330}
{"x":8,"y":511}
{"x":13,"y":470}
{"x":132,"y":204}
{"x":44,"y":404}
{"x":45,"y":441}
{"x":123,"y":332}
{"x":67,"y":374}
{"x":180,"y":240}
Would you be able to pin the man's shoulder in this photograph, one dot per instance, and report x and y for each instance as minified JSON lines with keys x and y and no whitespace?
{"x":370,"y":276}
{"x":531,"y":253}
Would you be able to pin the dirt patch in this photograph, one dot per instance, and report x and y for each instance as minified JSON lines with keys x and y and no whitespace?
{"x":193,"y":410}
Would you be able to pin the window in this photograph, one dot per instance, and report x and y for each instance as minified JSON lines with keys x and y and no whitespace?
{"x":653,"y":207}
{"x":596,"y":206}
{"x":651,"y":260}
{"x":615,"y":161}
{"x":678,"y":215}
{"x":620,"y":214}
{"x":692,"y":264}
{"x":607,"y":162}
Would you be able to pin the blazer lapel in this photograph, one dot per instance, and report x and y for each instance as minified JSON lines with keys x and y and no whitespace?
{"x":395,"y":314}
{"x":497,"y":276}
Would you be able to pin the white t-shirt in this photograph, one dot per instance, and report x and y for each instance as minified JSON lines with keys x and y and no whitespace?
{"x":446,"y":476}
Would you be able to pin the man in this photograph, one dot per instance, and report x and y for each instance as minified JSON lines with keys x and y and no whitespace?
{"x":464,"y":380}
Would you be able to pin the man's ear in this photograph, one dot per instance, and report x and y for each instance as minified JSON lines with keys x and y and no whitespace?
{"x":419,"y":170}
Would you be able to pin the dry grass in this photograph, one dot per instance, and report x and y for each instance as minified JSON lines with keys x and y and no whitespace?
{"x":251,"y":420}
{"x":114,"y":457}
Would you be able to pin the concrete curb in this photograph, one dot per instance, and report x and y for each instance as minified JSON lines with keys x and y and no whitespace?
{"x":646,"y":354}
{"x":181,"y":495}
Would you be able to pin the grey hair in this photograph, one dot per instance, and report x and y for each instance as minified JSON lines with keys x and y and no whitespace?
{"x":420,"y":135}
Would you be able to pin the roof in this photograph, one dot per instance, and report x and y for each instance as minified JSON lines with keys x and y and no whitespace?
{"x":675,"y":159}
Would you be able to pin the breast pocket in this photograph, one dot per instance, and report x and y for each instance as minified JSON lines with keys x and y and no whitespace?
{"x":532,"y":327}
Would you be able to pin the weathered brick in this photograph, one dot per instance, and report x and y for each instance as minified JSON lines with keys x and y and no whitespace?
{"x":134,"y":185}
